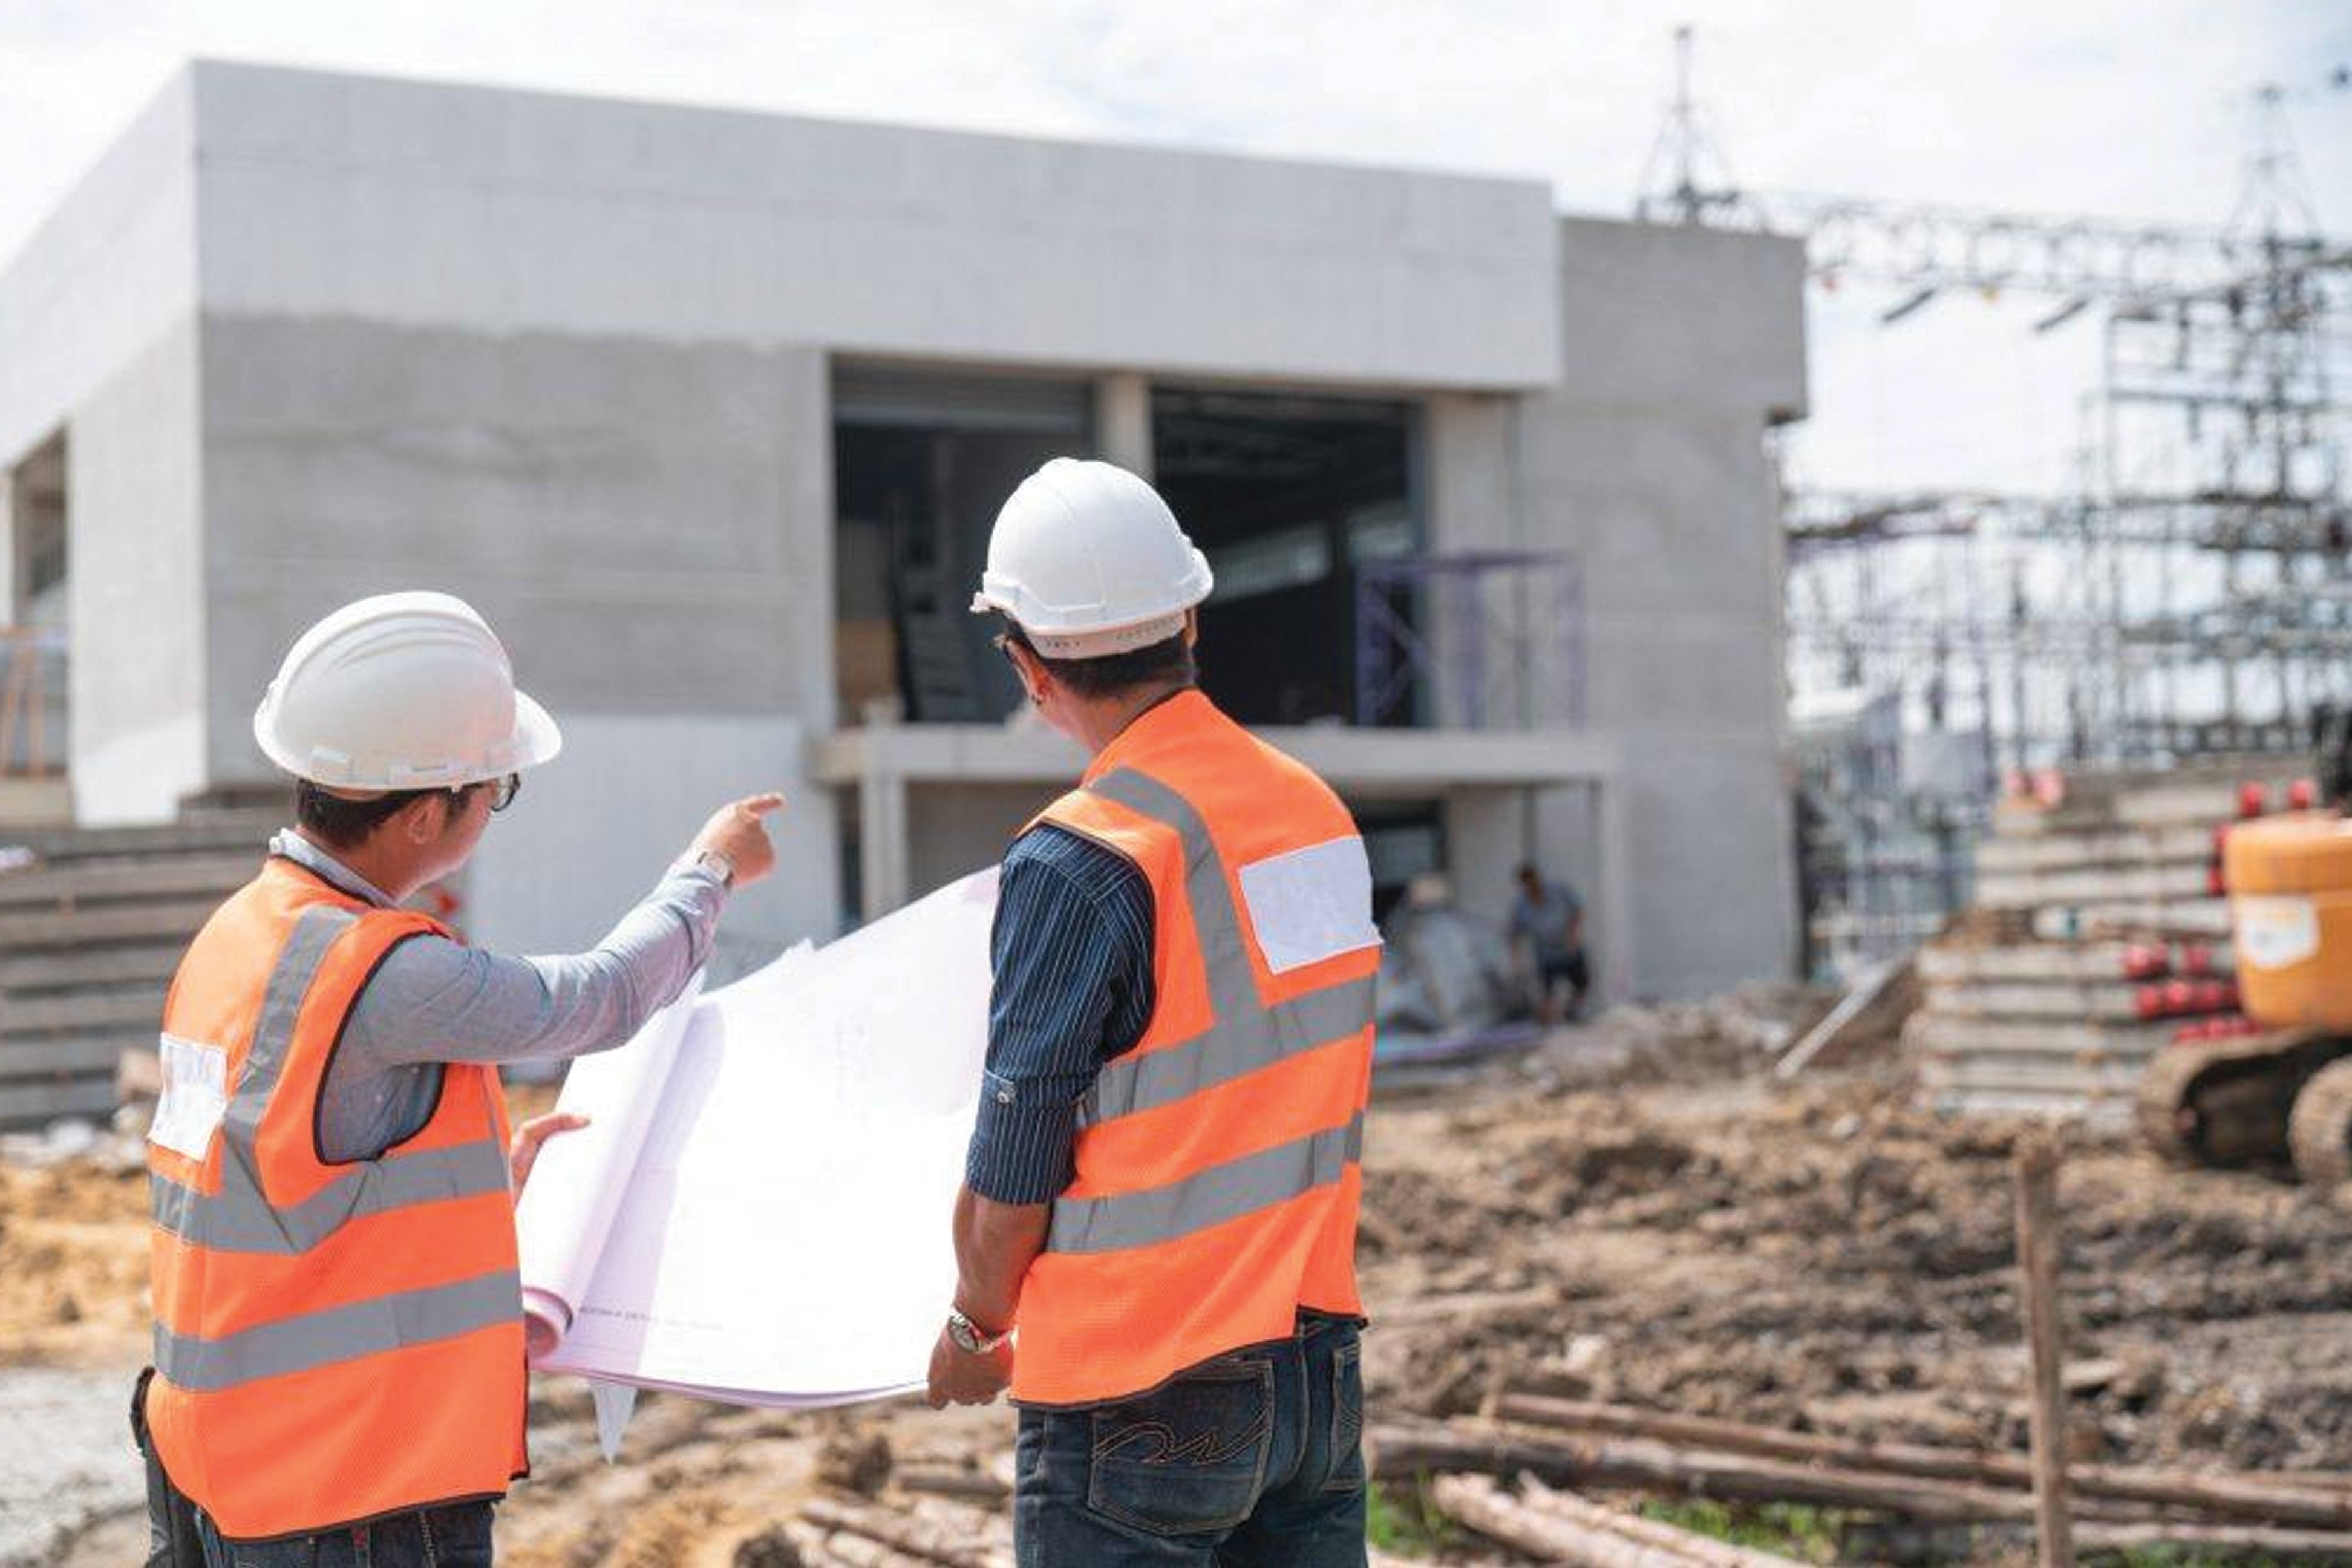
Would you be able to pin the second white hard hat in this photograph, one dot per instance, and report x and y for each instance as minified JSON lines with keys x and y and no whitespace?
{"x":1089,"y":562}
{"x":401,"y":691}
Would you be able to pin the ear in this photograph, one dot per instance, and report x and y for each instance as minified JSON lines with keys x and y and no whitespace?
{"x":1032,"y":669}
{"x":1192,"y":627}
{"x":423,"y":820}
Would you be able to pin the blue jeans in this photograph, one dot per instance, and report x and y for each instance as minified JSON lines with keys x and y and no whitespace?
{"x":1251,"y":1460}
{"x":456,"y":1536}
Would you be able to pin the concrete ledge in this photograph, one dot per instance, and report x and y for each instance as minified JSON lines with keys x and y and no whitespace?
{"x":1355,"y":762}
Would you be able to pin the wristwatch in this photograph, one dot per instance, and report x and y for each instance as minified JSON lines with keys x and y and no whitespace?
{"x":709,"y":860}
{"x":968,"y":1337}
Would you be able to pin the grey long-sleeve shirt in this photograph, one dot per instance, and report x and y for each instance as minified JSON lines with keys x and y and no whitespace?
{"x":435,"y":1001}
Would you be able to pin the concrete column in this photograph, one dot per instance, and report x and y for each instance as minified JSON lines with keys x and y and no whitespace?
{"x":12,"y":552}
{"x":1123,"y":421}
{"x":882,"y":851}
{"x":1615,"y":830}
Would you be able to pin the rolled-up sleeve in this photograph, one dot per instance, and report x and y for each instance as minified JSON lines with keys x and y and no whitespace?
{"x":1072,"y":952}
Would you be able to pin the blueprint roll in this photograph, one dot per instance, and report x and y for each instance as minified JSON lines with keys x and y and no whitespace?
{"x":769,"y":1222}
{"x":575,"y":1185}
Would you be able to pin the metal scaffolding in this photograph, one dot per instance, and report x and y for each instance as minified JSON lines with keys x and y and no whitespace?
{"x":2192,"y":595}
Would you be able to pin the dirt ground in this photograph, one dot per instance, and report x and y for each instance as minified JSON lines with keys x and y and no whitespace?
{"x":1630,"y":1213}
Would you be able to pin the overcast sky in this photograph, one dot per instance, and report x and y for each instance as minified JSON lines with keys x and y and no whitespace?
{"x":2138,"y":109}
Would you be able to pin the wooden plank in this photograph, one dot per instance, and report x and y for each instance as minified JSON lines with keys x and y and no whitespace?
{"x":37,"y":1104}
{"x":2115,"y":1002}
{"x":1935,"y":1035}
{"x":2107,"y":1112}
{"x":2198,"y":919}
{"x":2116,"y":884}
{"x":2114,"y":847}
{"x":2087,"y":1081}
{"x":142,"y":876}
{"x":2086,"y":963}
{"x":37,"y":972}
{"x":166,"y":918}
{"x":2037,"y":1259}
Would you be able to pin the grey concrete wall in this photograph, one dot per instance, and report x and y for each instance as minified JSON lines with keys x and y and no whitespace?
{"x":435,"y":205}
{"x":135,"y":587}
{"x":1682,"y":348}
{"x":648,"y":526}
{"x":110,"y":272}
{"x":1679,"y":347}
{"x":594,"y":829}
{"x":955,"y":828}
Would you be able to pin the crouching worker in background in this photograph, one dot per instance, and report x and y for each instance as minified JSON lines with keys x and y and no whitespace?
{"x":339,"y":1372}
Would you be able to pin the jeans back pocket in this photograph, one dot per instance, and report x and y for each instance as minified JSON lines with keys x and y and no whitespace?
{"x":1347,"y":1463}
{"x":1187,"y":1459}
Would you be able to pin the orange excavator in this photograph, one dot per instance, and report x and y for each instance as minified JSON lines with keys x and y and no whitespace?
{"x":2278,"y":1090}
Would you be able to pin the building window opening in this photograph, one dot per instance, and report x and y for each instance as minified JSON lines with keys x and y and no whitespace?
{"x":1287,"y":494}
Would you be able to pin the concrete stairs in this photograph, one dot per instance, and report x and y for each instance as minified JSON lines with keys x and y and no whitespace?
{"x":93,"y":925}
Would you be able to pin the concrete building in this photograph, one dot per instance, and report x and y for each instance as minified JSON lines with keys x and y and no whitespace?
{"x":709,"y":413}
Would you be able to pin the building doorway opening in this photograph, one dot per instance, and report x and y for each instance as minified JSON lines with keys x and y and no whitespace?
{"x":921,"y":463}
{"x":1288,"y":495}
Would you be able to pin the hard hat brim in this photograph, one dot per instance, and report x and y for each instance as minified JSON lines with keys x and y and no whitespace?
{"x":536,"y":739}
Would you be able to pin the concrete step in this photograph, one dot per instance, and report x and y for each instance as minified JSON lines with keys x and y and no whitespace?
{"x":44,"y":972}
{"x":73,"y":1012}
{"x":67,"y":883}
{"x":69,"y":1056}
{"x":162,"y":921}
{"x":247,"y":832}
{"x":37,"y":1104}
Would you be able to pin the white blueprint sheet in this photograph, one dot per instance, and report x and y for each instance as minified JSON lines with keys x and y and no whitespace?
{"x":760,"y":1209}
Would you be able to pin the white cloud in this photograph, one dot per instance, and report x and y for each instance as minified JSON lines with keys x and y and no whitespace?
{"x":2049,"y":105}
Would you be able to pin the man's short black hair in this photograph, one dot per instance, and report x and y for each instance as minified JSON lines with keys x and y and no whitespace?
{"x":346,"y":824}
{"x":1158,"y":664}
{"x":1527,"y":872}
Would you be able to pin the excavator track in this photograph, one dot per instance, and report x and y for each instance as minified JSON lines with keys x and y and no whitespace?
{"x":2229,"y":1102}
{"x":2319,"y":1128}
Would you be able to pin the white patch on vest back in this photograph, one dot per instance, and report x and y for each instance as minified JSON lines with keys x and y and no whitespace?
{"x":1311,"y":904}
{"x":195,"y":1097}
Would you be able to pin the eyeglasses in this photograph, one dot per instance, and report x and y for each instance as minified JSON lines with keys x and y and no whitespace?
{"x":502,"y":791}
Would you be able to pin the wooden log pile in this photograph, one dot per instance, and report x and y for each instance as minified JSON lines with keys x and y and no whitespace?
{"x":1545,"y":1444}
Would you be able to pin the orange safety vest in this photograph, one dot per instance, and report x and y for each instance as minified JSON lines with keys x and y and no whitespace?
{"x":1217,"y":1179}
{"x":334,"y":1343}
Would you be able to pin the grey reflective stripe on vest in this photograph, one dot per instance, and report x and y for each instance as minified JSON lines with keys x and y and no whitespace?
{"x":1246,"y":1037}
{"x":364,"y":1328}
{"x":315,"y":929}
{"x":223,"y":1222}
{"x":1230,"y":1050}
{"x":1208,"y":1197}
{"x":239,"y":1217}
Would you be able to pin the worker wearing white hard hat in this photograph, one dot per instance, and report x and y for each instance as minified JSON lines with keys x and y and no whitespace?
{"x":1156,"y":1233}
{"x":340,"y":1344}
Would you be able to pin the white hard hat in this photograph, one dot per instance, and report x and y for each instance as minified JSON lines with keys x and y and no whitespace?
{"x":1088,"y":561}
{"x":401,"y":691}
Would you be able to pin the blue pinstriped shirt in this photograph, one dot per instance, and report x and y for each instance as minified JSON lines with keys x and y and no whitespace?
{"x":1072,"y":953}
